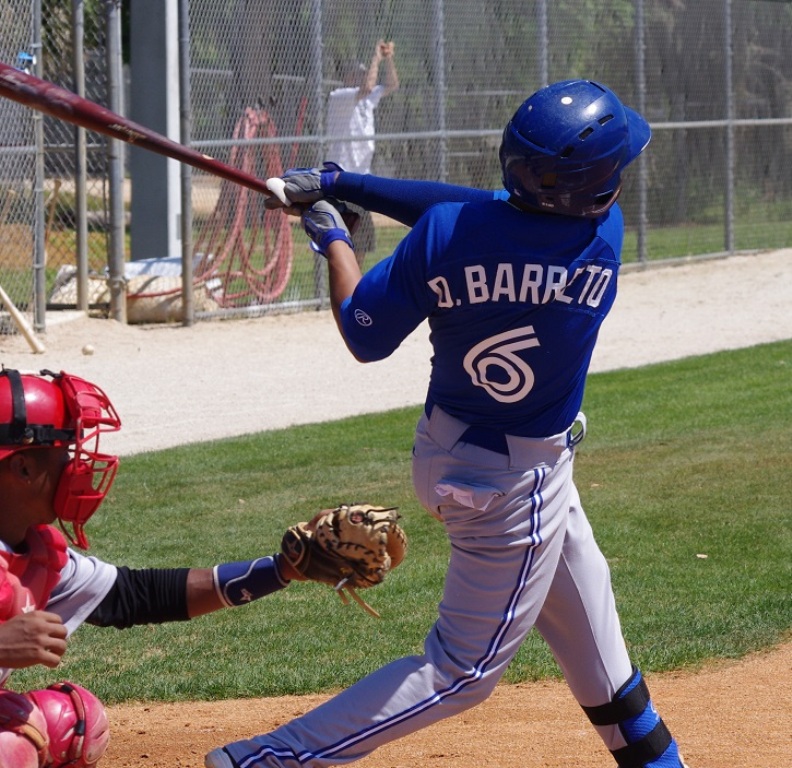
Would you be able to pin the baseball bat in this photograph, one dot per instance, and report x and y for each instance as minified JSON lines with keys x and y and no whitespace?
{"x":57,"y":102}
{"x":21,"y":323}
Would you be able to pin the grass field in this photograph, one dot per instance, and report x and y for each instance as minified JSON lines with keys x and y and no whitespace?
{"x":686,"y":475}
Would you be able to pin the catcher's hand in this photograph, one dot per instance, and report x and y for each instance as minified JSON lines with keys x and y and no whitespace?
{"x":350,"y":547}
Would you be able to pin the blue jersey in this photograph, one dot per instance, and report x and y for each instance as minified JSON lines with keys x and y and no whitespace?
{"x":514,"y":302}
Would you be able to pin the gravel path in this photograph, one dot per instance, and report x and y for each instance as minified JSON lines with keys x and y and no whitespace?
{"x":175,"y":385}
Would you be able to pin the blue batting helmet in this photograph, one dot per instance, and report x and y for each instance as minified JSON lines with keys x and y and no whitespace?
{"x":565,"y":148}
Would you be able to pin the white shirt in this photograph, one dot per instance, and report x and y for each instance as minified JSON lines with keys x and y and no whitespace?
{"x":84,"y":582}
{"x":348,"y":117}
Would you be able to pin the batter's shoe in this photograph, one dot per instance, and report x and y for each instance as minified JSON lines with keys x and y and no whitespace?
{"x":219,"y":758}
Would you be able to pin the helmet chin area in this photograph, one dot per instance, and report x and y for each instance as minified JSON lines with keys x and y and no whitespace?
{"x":82,"y":487}
{"x":87,"y":478}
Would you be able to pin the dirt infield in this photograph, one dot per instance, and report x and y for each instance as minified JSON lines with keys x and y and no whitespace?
{"x":246,"y":376}
{"x":727,"y":715}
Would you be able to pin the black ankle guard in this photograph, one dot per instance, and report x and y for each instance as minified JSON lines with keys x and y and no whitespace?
{"x":624,"y":707}
{"x":644,"y":751}
{"x":617,"y":711}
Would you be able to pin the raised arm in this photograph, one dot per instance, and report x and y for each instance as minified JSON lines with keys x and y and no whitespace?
{"x":372,"y":73}
{"x":391,"y":83}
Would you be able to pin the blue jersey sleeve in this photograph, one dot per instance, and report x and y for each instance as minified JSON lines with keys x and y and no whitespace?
{"x":392,"y":298}
{"x":405,"y":200}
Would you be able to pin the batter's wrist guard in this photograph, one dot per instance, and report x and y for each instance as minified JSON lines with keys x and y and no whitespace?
{"x":242,"y":582}
{"x":327,"y":177}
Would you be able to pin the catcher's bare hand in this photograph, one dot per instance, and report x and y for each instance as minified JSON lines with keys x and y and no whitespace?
{"x":38,"y":637}
{"x":351,"y":547}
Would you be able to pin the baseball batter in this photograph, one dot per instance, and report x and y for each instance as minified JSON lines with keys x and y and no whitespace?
{"x":515,"y":286}
{"x":52,"y":470}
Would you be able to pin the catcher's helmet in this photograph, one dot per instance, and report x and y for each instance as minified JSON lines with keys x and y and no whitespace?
{"x":565,"y":148}
{"x":57,"y":410}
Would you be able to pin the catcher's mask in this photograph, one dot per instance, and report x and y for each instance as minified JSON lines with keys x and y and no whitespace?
{"x":566,"y":146}
{"x":55,"y":410}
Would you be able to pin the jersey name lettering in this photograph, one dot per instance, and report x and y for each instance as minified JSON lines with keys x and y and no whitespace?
{"x":526,"y":283}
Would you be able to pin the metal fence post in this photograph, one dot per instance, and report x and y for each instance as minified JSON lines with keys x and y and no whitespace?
{"x":317,"y":79}
{"x":730,"y":116}
{"x":80,"y":161}
{"x":440,"y":75}
{"x":543,"y":47}
{"x":188,"y":309}
{"x":643,"y":166}
{"x":39,"y":245}
{"x":116,"y":279}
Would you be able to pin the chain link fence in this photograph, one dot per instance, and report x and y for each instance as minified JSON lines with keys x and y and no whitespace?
{"x":18,"y":172}
{"x":713,"y":77}
{"x":53,"y":177}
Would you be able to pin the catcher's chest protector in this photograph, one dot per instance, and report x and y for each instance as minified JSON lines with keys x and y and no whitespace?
{"x":27,"y":580}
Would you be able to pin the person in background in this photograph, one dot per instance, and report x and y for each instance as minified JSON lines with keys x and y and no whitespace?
{"x":351,"y":125}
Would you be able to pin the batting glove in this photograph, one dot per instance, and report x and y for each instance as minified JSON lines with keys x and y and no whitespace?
{"x":303,"y":186}
{"x":324,"y":224}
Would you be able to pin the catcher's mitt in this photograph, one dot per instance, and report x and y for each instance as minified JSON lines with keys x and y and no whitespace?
{"x":350,"y":547}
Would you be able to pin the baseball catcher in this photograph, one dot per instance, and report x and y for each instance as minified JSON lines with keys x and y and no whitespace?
{"x":53,"y":473}
{"x":351,"y":547}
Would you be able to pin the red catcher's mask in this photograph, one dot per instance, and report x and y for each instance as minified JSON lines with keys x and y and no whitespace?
{"x":58,"y":409}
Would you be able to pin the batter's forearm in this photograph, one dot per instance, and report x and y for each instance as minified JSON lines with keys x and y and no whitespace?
{"x":344,"y":275}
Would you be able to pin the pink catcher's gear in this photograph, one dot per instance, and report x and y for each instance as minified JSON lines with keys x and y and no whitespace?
{"x":23,"y":732}
{"x":58,"y":409}
{"x":76,"y":722}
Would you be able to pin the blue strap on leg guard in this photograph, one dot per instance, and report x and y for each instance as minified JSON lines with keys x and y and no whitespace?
{"x":649,"y":742}
{"x":244,"y":581}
